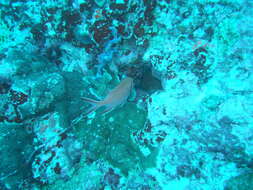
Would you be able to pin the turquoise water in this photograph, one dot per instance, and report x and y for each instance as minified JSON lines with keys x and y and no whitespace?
{"x":126,"y":95}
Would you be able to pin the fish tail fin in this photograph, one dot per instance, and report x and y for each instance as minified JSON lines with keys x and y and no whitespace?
{"x":84,"y":115}
{"x":90,"y":110}
{"x":95,"y":105}
{"x":108,"y":109}
{"x":90,"y":101}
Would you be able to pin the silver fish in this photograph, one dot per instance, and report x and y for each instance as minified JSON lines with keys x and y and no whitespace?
{"x":117,"y":96}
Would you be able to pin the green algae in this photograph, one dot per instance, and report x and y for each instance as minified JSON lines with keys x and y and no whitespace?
{"x":227,"y":34}
{"x":108,"y":137}
{"x":241,"y":182}
{"x":4,"y":33}
{"x":212,"y":102}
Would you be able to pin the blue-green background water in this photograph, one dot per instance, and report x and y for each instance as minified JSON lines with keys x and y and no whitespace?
{"x":186,"y":123}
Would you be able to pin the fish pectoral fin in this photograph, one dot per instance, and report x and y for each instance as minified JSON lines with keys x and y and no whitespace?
{"x":132,"y":96}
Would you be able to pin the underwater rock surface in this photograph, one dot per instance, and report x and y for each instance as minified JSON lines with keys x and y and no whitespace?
{"x":186,"y":125}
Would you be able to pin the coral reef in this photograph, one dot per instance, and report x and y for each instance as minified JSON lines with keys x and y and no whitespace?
{"x":187,"y":124}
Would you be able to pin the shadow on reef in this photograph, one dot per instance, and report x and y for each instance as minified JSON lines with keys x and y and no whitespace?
{"x":15,"y":151}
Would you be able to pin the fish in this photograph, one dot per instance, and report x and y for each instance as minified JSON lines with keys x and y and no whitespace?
{"x":116,"y":97}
